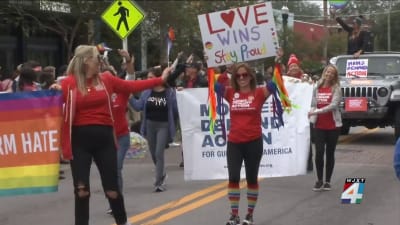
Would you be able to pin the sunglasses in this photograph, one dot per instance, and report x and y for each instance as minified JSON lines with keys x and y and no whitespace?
{"x":239,"y":75}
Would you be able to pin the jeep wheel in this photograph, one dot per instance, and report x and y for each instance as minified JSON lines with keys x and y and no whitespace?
{"x":397,"y":124}
{"x":345,"y":129}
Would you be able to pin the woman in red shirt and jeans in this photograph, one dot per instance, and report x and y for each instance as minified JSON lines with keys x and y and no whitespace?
{"x":245,"y":141}
{"x":325,"y":111}
{"x":88,"y":133}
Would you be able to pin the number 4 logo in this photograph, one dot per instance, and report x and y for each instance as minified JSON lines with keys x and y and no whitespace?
{"x":352,"y":193}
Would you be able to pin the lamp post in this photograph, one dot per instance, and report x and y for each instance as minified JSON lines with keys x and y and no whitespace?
{"x":325,"y":50}
{"x":389,"y":28}
{"x":285,"y":16}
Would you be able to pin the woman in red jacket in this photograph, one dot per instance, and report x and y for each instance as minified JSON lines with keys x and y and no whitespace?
{"x":88,"y":132}
{"x":245,"y":143}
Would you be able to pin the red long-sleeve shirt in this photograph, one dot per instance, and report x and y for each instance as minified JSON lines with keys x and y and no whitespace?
{"x":94,"y":108}
{"x":119,"y":107}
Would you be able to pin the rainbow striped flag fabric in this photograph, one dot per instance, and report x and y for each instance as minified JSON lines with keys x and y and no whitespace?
{"x":30,"y":125}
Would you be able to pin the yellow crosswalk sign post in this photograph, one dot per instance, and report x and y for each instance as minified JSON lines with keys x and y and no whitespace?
{"x":123,"y":16}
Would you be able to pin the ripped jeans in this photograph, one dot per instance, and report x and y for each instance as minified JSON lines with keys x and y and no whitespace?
{"x":95,"y":143}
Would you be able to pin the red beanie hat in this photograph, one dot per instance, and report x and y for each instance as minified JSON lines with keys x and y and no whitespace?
{"x":292,"y":59}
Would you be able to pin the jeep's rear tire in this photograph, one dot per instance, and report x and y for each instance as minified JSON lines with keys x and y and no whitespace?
{"x":397,"y":124}
{"x":345,"y":129}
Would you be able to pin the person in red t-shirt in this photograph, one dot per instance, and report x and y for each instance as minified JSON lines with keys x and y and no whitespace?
{"x":119,"y":104}
{"x":88,"y":130}
{"x":245,"y":138}
{"x":327,"y":120}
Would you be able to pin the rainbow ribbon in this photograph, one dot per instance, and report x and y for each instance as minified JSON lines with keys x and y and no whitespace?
{"x":280,"y":96}
{"x":215,"y":101}
{"x":102,"y":47}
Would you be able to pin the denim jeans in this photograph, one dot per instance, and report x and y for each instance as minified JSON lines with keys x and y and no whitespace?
{"x":124,"y":143}
{"x":157,"y":138}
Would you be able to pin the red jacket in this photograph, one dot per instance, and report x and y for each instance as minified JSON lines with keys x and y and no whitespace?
{"x":111,"y":84}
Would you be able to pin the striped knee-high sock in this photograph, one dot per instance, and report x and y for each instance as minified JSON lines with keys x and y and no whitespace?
{"x":252,"y":195}
{"x":234,"y":197}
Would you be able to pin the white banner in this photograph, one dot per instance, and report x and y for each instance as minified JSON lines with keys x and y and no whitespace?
{"x":238,"y":35}
{"x":285,"y":149}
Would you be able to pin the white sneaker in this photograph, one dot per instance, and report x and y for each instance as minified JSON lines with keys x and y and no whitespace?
{"x":109,"y":211}
{"x":159,"y":189}
{"x":165,"y":177}
{"x":175,"y":144}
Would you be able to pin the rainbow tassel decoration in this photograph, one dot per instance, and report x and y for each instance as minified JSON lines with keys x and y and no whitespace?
{"x":212,"y":99}
{"x":280,"y":96}
{"x":215,"y":101}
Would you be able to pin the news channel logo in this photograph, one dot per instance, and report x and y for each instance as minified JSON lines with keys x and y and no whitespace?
{"x":353,"y":191}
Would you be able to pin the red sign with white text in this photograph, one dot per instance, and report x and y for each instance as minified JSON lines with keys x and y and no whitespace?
{"x":355,"y":105}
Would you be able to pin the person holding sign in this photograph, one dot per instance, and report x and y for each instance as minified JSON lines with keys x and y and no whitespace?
{"x":88,"y":132}
{"x":245,"y":138}
{"x":326,"y":117}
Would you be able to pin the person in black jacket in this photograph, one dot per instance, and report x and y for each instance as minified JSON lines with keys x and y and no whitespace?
{"x":357,"y":38}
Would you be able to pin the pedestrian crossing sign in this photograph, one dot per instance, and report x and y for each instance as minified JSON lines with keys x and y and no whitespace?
{"x":123,"y":16}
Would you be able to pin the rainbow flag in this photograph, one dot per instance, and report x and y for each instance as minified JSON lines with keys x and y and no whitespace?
{"x":212,"y":99}
{"x":215,"y":101}
{"x":280,"y":97}
{"x":30,"y":125}
{"x":102,"y":47}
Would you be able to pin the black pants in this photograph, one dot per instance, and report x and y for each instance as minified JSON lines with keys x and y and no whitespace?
{"x":310,"y":161}
{"x":95,"y":142}
{"x":249,"y":152}
{"x":325,"y":141}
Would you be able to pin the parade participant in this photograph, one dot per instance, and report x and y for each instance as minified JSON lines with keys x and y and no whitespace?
{"x":294,"y":69}
{"x":27,"y":80}
{"x":327,"y":120}
{"x":225,"y":74}
{"x":31,"y":80}
{"x":158,"y":125}
{"x":245,"y":138}
{"x":191,"y":79}
{"x":357,"y":38}
{"x":87,"y":132}
{"x":119,"y":105}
